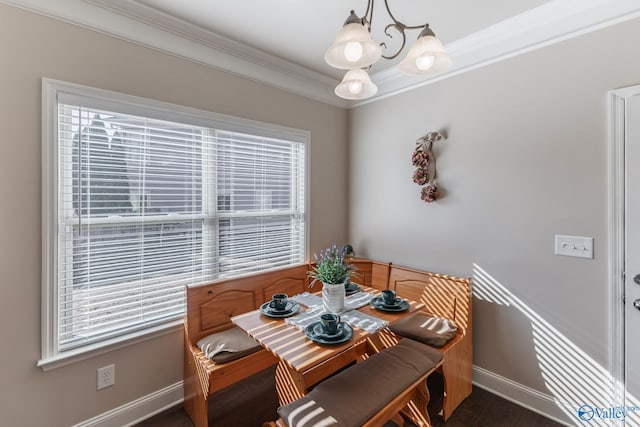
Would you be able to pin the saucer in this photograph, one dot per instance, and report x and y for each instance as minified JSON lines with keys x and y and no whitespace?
{"x":396,"y":302}
{"x":289,"y":310}
{"x":378,"y":304}
{"x":346,"y":333}
{"x":318,"y":330}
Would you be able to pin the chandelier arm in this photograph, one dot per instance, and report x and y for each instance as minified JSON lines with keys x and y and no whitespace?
{"x":414,"y":27}
{"x":368,"y":15}
{"x":386,"y":4}
{"x":400,"y":28}
{"x":395,"y":21}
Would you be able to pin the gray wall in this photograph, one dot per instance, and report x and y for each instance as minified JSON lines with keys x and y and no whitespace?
{"x":32,"y":47}
{"x":526,"y":159}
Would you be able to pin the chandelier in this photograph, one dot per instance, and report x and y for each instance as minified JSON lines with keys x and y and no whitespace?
{"x":355,"y":50}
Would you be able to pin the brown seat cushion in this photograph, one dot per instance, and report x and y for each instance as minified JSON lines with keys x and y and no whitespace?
{"x":433,"y":331}
{"x":353,"y":396}
{"x":228,"y":345}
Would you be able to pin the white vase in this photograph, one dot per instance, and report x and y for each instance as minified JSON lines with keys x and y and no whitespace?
{"x":333,"y":297}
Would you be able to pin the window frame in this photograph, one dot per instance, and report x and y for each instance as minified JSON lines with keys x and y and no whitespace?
{"x":129,"y":104}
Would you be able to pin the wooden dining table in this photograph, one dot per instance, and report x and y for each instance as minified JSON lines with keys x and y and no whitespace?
{"x":303,"y":362}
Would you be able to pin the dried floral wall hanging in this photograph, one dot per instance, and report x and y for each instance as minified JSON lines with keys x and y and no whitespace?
{"x":425,"y":162}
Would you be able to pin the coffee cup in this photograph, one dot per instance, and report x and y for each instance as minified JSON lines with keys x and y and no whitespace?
{"x":278,"y":301}
{"x":389,"y":296}
{"x":330,"y":323}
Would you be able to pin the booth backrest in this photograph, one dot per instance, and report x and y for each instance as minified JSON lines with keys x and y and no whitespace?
{"x":380,"y":274}
{"x":211,"y":306}
{"x":370,"y":273}
{"x":445,"y":296}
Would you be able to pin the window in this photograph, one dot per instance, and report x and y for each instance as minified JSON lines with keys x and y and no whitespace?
{"x":142,"y":198}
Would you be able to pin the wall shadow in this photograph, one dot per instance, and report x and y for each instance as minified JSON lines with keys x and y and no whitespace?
{"x":582,"y":388}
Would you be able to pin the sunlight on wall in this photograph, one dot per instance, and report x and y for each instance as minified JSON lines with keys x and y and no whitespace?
{"x":584,"y":390}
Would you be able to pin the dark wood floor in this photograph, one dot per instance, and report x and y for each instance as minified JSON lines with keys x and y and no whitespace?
{"x":484,"y":409}
{"x":250,"y":403}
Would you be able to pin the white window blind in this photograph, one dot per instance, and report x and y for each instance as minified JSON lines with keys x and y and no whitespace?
{"x":260,"y":188}
{"x":146,"y":206}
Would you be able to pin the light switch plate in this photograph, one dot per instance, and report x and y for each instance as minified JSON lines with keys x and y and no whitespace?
{"x":575,"y":246}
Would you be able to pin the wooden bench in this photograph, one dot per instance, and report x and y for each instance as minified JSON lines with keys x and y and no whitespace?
{"x":209,"y":309}
{"x":447,"y":297}
{"x":369,"y":393}
{"x":444,"y":296}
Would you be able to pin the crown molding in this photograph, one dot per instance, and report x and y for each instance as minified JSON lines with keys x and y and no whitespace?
{"x":148,"y":27}
{"x":550,"y":23}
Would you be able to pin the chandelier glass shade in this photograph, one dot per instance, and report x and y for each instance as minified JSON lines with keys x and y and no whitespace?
{"x":355,"y":50}
{"x":353,"y":46}
{"x":426,"y":56}
{"x":356,"y":84}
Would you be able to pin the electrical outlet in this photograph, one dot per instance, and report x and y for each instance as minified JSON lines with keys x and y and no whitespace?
{"x":106,"y":376}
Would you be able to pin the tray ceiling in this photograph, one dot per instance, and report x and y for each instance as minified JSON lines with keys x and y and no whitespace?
{"x":282,"y":42}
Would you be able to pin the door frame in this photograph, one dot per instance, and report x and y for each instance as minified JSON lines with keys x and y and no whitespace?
{"x":616,"y":235}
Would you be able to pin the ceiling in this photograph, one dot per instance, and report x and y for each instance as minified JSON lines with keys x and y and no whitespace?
{"x":282,"y":42}
{"x":300,"y":31}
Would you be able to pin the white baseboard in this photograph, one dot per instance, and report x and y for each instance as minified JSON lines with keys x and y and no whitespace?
{"x":519,"y":394}
{"x":139,"y":409}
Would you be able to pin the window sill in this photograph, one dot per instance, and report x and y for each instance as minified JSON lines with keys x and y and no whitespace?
{"x":76,"y":355}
